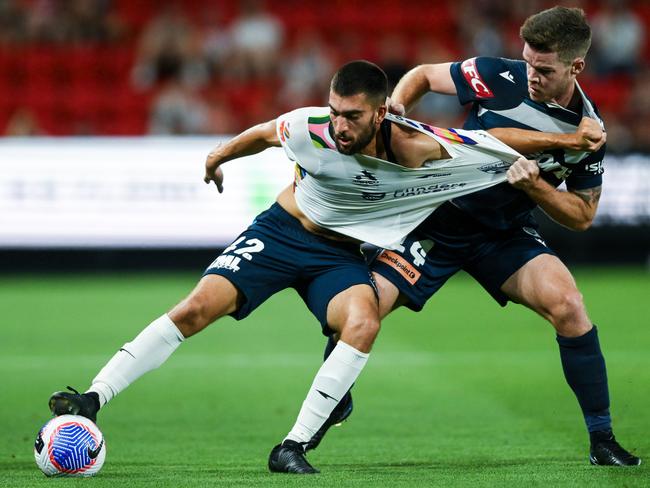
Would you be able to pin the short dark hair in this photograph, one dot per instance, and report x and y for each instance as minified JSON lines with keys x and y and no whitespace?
{"x":361,"y":77}
{"x":559,"y":29}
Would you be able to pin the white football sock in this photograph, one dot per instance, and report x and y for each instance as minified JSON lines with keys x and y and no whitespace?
{"x":146,"y":352}
{"x":335,"y":377}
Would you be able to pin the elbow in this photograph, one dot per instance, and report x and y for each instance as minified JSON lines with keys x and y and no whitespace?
{"x":581,"y":225}
{"x":583,"y":219}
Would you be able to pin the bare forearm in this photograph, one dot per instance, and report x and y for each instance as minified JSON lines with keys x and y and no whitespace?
{"x":251,"y":141}
{"x":573,"y":210}
{"x":589,"y":136}
{"x":529,"y":141}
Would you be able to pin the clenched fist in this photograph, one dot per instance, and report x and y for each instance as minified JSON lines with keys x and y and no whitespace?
{"x":523,"y":173}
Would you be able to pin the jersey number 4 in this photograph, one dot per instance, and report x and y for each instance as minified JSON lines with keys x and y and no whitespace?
{"x":418,"y":250}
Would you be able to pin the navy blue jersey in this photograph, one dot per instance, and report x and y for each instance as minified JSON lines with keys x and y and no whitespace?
{"x":498,"y":90}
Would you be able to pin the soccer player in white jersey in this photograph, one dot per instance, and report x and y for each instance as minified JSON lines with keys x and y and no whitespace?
{"x":492,"y":234}
{"x":283,"y":248}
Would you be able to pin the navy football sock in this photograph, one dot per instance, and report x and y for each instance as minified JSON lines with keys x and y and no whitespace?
{"x":586,"y":374}
{"x":329,"y":347}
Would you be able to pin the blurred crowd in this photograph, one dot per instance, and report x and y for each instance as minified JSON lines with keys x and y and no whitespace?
{"x":122,"y":67}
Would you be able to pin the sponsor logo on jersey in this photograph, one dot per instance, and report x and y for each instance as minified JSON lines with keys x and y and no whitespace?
{"x":226,"y":262}
{"x":533,"y":232}
{"x":507,"y":76}
{"x":474,"y":80}
{"x":596,"y":168}
{"x":401,"y":265}
{"x":546,"y":162}
{"x":495,"y":168}
{"x":365,"y":178}
{"x":562,"y":173}
{"x":553,"y":162}
{"x":434,"y":175}
{"x":421,"y":190}
{"x":372,"y":196}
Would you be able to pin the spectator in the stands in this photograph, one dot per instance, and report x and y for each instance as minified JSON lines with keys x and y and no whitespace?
{"x":618,"y":38}
{"x":638,"y":110}
{"x":392,"y":57}
{"x":13,"y":23}
{"x":72,"y":21}
{"x":216,"y":41}
{"x":257,"y":37}
{"x":306,"y":72}
{"x":177,"y":109}
{"x":483,"y":34}
{"x":169,"y":39}
{"x":22,"y":123}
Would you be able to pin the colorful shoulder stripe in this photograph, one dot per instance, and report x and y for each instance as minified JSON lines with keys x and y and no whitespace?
{"x":449,"y":134}
{"x":319,"y":132}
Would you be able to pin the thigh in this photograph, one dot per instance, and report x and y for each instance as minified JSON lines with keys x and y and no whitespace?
{"x":541,"y":279}
{"x":261,"y":261}
{"x":417,"y":270}
{"x":212,"y":298}
{"x":545,"y":285}
{"x":501,"y":256}
{"x":332,"y":270}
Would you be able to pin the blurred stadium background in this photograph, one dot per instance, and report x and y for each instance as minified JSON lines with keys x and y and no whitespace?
{"x":107,"y":110}
{"x":75,"y":73}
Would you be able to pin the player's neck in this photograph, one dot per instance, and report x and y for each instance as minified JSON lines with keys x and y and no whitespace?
{"x":569,"y":99}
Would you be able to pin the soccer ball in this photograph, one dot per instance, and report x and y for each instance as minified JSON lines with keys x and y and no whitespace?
{"x":70,"y":445}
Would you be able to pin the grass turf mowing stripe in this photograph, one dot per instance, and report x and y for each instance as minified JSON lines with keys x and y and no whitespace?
{"x":453,"y":396}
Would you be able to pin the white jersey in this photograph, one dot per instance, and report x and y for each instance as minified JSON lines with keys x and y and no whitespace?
{"x":374,"y":200}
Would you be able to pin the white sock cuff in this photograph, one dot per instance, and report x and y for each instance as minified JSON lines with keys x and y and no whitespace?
{"x":349,"y":355}
{"x":168,"y":330}
{"x":103,"y":391}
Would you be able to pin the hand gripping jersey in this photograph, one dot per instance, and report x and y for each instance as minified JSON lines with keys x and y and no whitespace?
{"x":498,"y":90}
{"x":374,"y":200}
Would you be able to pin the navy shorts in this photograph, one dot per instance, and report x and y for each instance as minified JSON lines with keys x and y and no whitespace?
{"x":449,"y":241}
{"x":276,"y":252}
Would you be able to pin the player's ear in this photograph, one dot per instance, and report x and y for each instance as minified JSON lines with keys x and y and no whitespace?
{"x":577,"y":66}
{"x":382,"y":110}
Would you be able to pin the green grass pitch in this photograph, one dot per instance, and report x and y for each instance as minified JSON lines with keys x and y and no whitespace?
{"x":462,"y":394}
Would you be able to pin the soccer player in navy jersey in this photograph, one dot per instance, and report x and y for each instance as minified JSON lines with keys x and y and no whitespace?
{"x":492,"y":234}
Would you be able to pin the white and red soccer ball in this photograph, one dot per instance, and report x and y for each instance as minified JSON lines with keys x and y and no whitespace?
{"x":70,"y":445}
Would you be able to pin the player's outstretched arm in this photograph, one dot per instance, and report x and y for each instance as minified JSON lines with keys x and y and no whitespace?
{"x":251,"y":141}
{"x":417,"y":82}
{"x":574,"y":209}
{"x":588,"y":137}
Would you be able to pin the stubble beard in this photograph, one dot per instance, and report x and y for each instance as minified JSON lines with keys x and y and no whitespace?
{"x":361,"y":143}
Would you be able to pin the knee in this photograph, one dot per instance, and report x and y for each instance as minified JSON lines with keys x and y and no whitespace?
{"x":360,"y":332}
{"x":191,"y":316}
{"x":568,"y":314}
